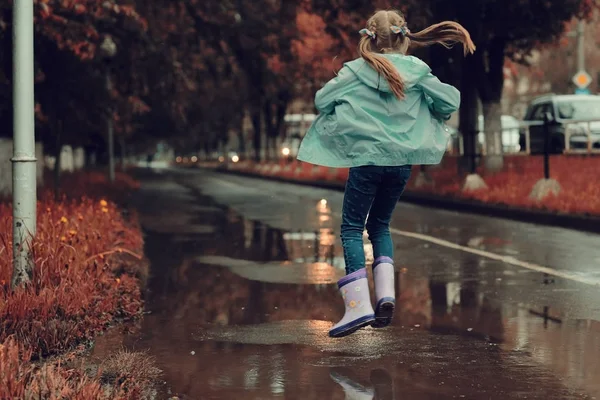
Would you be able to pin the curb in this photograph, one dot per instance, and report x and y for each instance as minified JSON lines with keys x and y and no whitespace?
{"x":584,"y":223}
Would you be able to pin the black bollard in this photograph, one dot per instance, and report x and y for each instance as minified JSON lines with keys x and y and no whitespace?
{"x":547,"y":121}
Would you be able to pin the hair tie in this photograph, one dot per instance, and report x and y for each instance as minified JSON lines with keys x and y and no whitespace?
{"x":400,"y":30}
{"x":367,"y":32}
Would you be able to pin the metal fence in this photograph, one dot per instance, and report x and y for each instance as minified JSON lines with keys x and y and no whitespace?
{"x":537,"y":137}
{"x":582,"y":136}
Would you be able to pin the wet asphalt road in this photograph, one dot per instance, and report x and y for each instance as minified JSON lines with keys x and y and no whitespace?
{"x":242,"y":294}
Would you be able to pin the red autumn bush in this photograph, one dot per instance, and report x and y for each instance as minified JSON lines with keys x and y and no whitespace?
{"x":577,"y":176}
{"x":95,"y":185}
{"x":76,"y":288}
{"x":20,"y":379}
{"x":88,"y":266}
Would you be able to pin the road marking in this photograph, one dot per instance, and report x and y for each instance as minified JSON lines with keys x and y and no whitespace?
{"x":493,"y":256}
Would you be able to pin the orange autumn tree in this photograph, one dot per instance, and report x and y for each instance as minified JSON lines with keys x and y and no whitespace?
{"x":161,"y":62}
{"x":152,"y":84}
{"x":499,"y":29}
{"x":343,"y":20}
{"x":317,"y":61}
{"x":258,"y":38}
{"x":70,"y":88}
{"x":309,"y":63}
{"x":77,"y":25}
{"x":551,"y":67}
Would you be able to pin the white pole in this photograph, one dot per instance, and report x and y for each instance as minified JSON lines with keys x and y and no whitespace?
{"x":108,"y":49}
{"x":110,"y":128}
{"x":24,"y":161}
{"x":581,"y":46}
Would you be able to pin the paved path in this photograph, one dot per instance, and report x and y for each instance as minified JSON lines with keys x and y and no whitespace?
{"x":242,"y":294}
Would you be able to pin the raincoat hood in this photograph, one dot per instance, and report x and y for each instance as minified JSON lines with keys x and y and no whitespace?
{"x":411,"y":69}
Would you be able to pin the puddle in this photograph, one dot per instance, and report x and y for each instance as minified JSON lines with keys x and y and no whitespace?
{"x":242,"y":310}
{"x":318,"y":273}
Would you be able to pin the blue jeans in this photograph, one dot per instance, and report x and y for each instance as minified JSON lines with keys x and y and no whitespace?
{"x":372,"y":191}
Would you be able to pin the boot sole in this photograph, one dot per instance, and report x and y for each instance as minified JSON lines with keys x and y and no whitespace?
{"x":384,"y":312}
{"x":352,"y":327}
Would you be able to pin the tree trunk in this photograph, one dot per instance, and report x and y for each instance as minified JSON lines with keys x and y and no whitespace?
{"x":57,"y":156}
{"x":207,"y":150}
{"x":123,"y":151}
{"x":468,"y":116}
{"x":256,"y":117}
{"x":270,"y":127}
{"x":223,"y":145}
{"x":88,"y":155}
{"x":490,"y":82}
{"x":241,"y":137}
{"x":274,"y":114}
{"x":492,"y":115}
{"x":270,"y":148}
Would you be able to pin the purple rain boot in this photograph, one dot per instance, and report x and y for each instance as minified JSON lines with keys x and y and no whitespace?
{"x":359,"y":311}
{"x":385,"y":296}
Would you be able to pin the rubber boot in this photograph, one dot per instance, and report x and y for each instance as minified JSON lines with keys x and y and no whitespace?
{"x":385,"y":295}
{"x":359,"y":311}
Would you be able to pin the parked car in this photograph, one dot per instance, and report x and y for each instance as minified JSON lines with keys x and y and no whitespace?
{"x":574,"y":111}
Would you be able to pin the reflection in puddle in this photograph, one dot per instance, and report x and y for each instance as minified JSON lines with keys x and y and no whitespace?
{"x":380,"y":385}
{"x":243,"y":313}
{"x":319,"y":246}
{"x":316,"y":273}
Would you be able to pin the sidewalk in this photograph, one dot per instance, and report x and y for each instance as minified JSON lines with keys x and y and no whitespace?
{"x":443,"y":191}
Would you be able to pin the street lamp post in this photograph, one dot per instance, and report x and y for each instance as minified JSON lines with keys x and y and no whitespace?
{"x":581,"y":45}
{"x":108,"y":49}
{"x":580,"y":35}
{"x":23,"y":160}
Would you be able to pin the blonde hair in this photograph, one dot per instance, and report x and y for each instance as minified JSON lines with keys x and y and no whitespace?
{"x":383,"y":41}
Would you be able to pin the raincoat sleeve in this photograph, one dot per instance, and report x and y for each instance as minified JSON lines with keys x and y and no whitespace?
{"x":443,"y":99}
{"x":327,"y":97}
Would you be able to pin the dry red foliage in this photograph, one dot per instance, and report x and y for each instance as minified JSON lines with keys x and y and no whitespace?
{"x":95,"y":185}
{"x":88,"y":265}
{"x":21,"y":379}
{"x":577,"y":176}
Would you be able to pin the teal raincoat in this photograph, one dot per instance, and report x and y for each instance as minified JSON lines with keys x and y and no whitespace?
{"x":361,"y":122}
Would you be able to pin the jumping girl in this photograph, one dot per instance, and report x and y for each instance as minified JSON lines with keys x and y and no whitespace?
{"x":383,"y":113}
